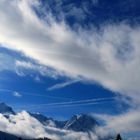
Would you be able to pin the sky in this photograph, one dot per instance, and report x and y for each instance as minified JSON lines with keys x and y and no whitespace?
{"x":67,"y":57}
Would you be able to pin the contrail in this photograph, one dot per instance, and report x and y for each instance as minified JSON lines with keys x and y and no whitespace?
{"x":62,"y":85}
{"x":63,"y":104}
{"x":72,"y":103}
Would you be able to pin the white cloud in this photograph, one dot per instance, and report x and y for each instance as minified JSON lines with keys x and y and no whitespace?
{"x":109,"y":56}
{"x":6,"y":62}
{"x":128,"y":122}
{"x":17,"y":94}
{"x":62,"y":85}
{"x":22,"y":125}
{"x":26,"y":67}
{"x":26,"y":126}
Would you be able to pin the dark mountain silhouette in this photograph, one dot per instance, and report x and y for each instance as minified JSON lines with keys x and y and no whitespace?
{"x":6,"y":136}
{"x":5,"y":109}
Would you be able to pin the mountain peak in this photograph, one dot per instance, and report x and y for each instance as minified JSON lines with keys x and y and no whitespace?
{"x":87,"y":121}
{"x":5,"y":109}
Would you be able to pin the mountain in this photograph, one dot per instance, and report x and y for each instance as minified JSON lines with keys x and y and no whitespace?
{"x":47,"y":121}
{"x":81,"y":123}
{"x":43,"y":119}
{"x":74,"y":123}
{"x":77,"y":123}
{"x":5,"y":109}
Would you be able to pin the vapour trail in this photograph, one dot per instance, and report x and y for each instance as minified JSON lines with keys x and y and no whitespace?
{"x":71,"y":103}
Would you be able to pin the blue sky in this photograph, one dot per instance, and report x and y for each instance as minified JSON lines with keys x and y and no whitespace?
{"x":24,"y":88}
{"x":67,"y":57}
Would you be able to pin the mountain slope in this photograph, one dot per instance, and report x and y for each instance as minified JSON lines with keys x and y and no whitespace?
{"x":81,"y":123}
{"x":5,"y":109}
{"x":47,"y":121}
{"x":78,"y":123}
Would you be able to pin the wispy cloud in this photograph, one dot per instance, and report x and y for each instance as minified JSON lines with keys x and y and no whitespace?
{"x":23,"y":68}
{"x":62,"y":85}
{"x":17,"y":94}
{"x":127,"y":122}
{"x":6,"y":62}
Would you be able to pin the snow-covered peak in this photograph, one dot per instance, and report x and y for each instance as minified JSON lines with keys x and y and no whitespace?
{"x":81,"y":123}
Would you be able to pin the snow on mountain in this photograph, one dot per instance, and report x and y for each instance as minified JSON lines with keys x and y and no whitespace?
{"x":78,"y":123}
{"x":71,"y":121}
{"x":81,"y":123}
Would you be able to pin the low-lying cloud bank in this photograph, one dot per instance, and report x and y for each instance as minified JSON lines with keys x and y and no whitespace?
{"x":22,"y":124}
{"x":125,"y":123}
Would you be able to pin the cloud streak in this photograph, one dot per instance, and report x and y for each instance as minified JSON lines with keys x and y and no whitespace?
{"x":62,"y":85}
